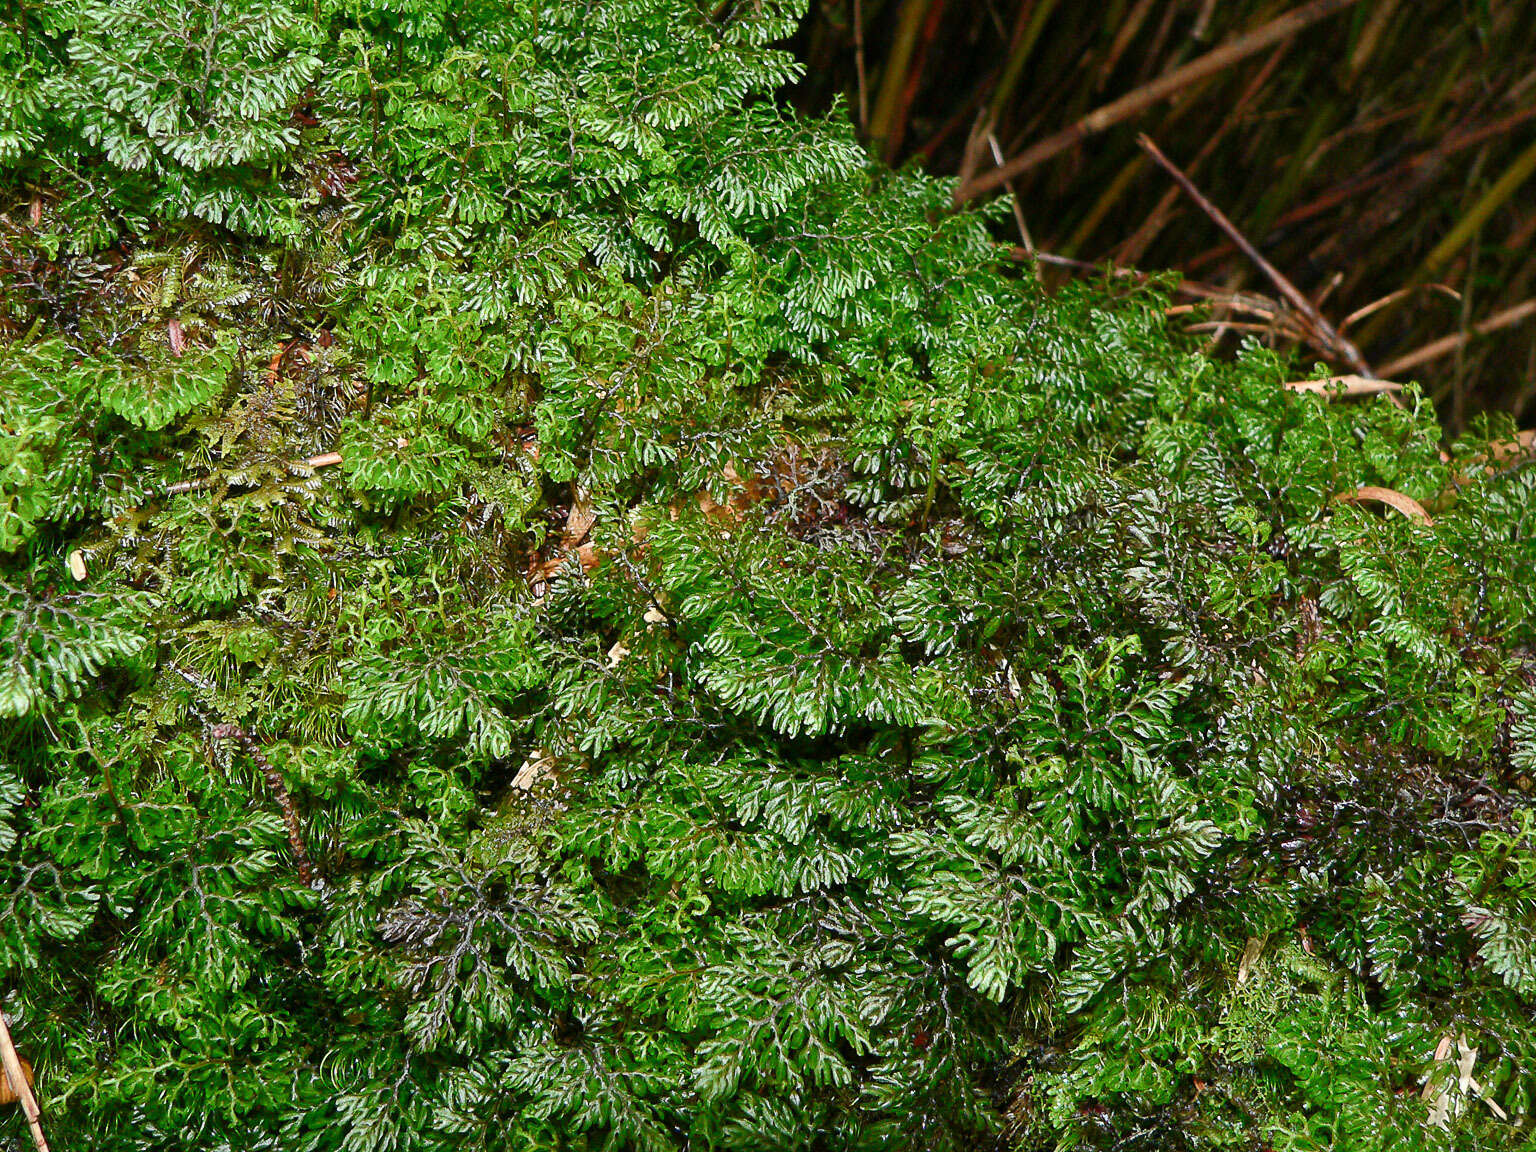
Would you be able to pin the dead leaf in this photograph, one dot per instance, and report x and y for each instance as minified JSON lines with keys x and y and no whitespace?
{"x":536,"y":767}
{"x":1251,"y":953}
{"x":7,"y":1093}
{"x":589,"y":557}
{"x":1493,"y":1105}
{"x":1440,"y":1112}
{"x":1464,"y":1065}
{"x":1520,"y":446}
{"x":1352,"y":386}
{"x":579,"y":521}
{"x":1407,"y":505}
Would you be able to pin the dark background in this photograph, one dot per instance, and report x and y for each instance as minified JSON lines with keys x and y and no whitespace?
{"x":1386,"y":146}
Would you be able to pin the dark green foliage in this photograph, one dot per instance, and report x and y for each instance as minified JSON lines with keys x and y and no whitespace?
{"x":971,"y":714}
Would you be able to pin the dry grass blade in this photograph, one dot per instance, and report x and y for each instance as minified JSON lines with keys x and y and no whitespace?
{"x":1467,"y":227}
{"x":1326,"y":338}
{"x":893,"y":81}
{"x":1449,"y":344}
{"x":1118,"y":111}
{"x":1344,"y":386}
{"x":1131,"y":251}
{"x":1360,"y":185}
{"x":1407,"y":505}
{"x":21,"y":1087}
{"x":1360,"y":314}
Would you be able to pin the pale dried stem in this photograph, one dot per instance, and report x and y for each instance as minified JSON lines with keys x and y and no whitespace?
{"x":19,"y":1086}
{"x":1449,"y":344}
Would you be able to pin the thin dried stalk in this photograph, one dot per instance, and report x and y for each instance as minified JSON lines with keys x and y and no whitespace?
{"x":1491,"y":201}
{"x":858,"y":64}
{"x":1123,"y":37}
{"x":1359,"y":186}
{"x":1032,"y":18}
{"x":1018,"y":209}
{"x":1449,"y":344}
{"x":893,"y":79}
{"x":1360,"y":314}
{"x":325,"y":459}
{"x":1250,"y":302}
{"x":1135,"y":247}
{"x":1344,"y":386}
{"x":17,"y":1077}
{"x":898,"y":130}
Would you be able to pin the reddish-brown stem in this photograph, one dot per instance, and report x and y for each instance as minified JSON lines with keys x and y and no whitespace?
{"x":279,"y":788}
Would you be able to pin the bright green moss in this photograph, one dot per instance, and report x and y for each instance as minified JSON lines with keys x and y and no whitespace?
{"x":969,"y":710}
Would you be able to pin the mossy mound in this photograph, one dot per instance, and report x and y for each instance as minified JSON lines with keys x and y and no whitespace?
{"x":547,"y":604}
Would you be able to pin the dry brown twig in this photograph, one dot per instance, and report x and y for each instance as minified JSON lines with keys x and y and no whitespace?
{"x":279,"y":788}
{"x":1325,"y":335}
{"x":1132,"y":249}
{"x":1018,"y":209}
{"x":273,"y":777}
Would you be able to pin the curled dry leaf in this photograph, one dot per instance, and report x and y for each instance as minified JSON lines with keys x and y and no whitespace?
{"x":1465,"y":1063}
{"x":588,"y":556}
{"x":1407,"y":505}
{"x":1251,"y":952}
{"x":536,"y":767}
{"x":580,"y":520}
{"x":1511,"y":451}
